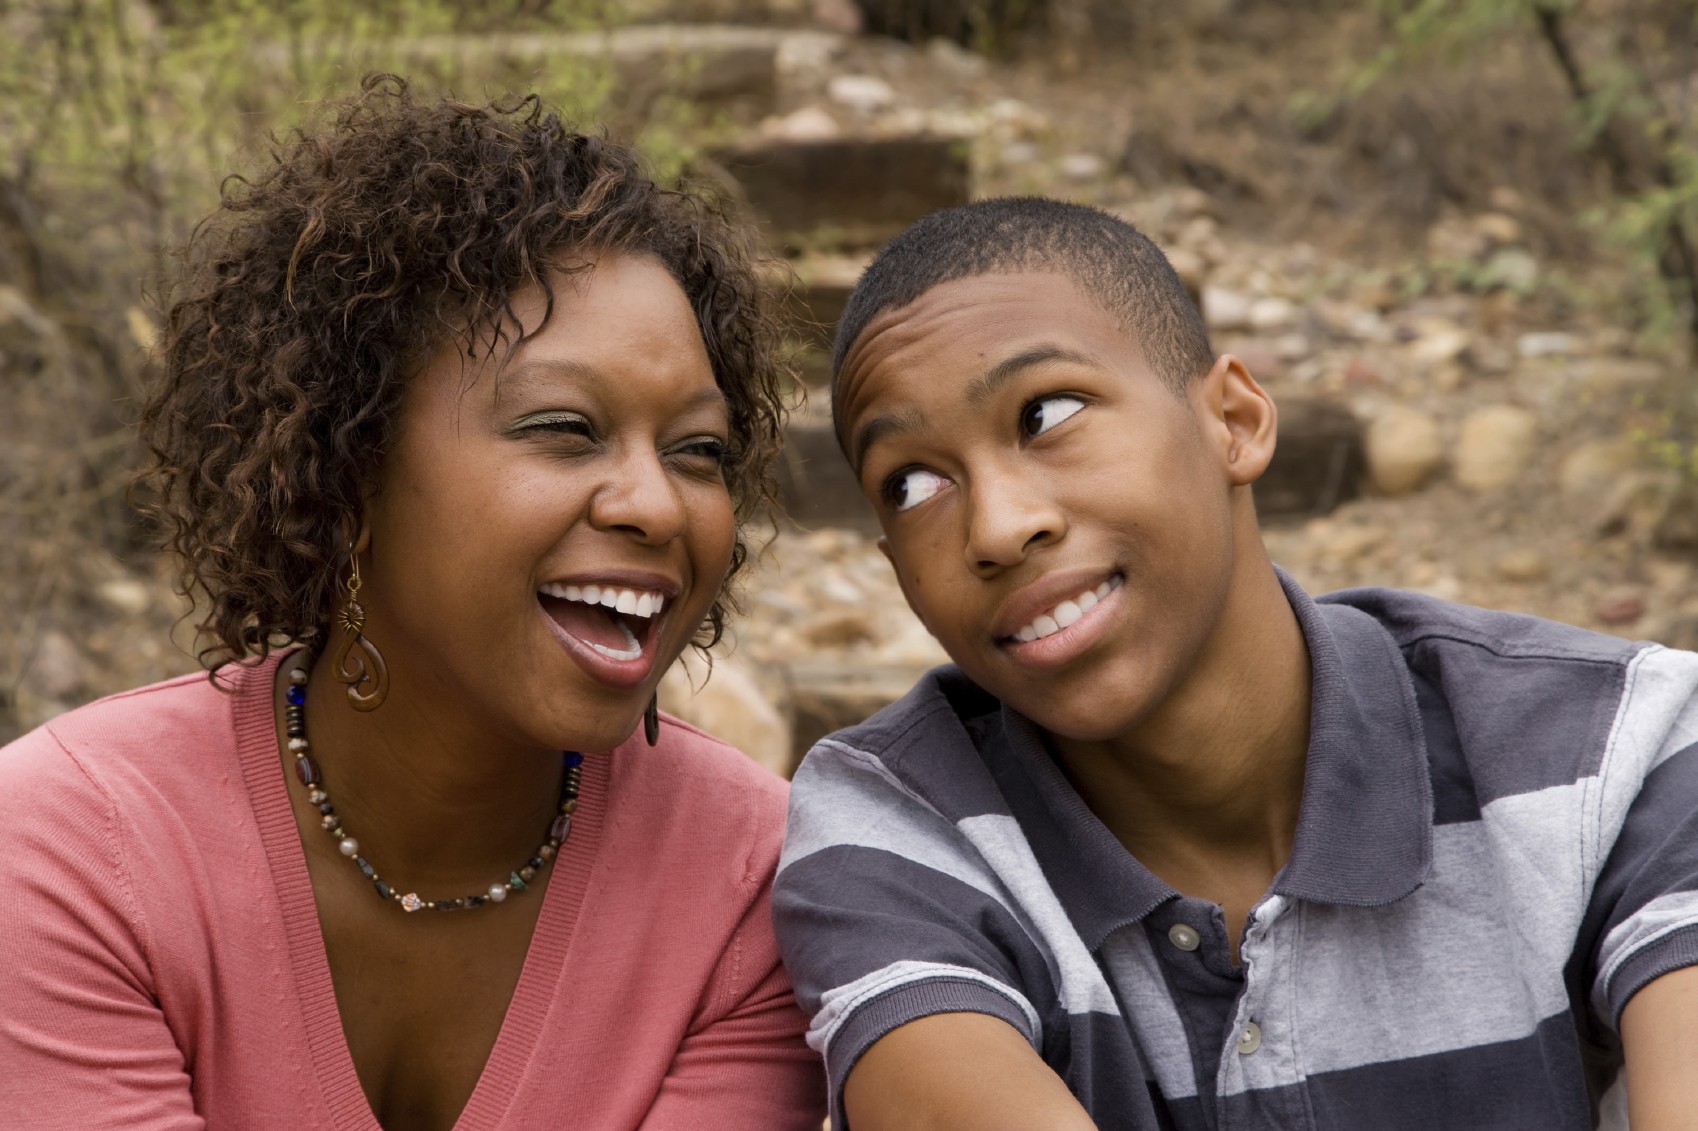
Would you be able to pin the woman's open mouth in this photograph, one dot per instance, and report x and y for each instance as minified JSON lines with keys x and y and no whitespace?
{"x":614,"y":623}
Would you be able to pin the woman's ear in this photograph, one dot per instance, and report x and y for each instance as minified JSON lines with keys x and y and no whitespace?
{"x":1241,"y":417}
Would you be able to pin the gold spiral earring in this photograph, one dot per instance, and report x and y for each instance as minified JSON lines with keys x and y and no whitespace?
{"x":358,"y":662}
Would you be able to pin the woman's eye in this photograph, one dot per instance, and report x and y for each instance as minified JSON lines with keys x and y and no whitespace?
{"x":1043,"y":414}
{"x":566,"y":423}
{"x":913,"y":486}
{"x":717,"y":451}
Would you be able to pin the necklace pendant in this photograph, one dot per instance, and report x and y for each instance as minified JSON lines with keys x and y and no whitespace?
{"x":411,"y":902}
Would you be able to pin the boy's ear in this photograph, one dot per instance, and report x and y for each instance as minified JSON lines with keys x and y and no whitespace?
{"x":1240,"y":419}
{"x":884,"y":548}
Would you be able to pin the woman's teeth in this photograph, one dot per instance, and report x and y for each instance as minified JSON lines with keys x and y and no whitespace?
{"x":629,"y":601}
{"x":1064,"y":614}
{"x":633,"y":650}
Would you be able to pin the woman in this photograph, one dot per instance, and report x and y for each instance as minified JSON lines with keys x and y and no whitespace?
{"x":459,"y":417}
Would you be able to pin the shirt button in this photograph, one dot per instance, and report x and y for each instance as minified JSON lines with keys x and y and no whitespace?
{"x":1250,"y":1039}
{"x":1184,"y":937}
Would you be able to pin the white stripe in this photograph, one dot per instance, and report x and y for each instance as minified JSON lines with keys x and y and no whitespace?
{"x":1473,"y":957}
{"x":1645,"y":927}
{"x":1658,"y":718}
{"x":1079,"y":980}
{"x":843,"y":796}
{"x":838,"y":1005}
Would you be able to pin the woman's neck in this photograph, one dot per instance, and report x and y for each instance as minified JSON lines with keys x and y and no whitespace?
{"x":434,"y":796}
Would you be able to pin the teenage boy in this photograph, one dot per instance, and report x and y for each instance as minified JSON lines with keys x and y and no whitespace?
{"x":1172,"y":844}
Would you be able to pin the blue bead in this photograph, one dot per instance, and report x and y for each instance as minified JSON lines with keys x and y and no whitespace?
{"x":296,"y":694}
{"x":573,"y":759}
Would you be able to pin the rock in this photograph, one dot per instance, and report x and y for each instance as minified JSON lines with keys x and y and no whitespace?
{"x":1498,"y":228}
{"x":1676,"y":530}
{"x":1346,"y":544}
{"x":841,"y":629}
{"x":1636,"y":503}
{"x":1272,"y":314}
{"x":820,"y":292}
{"x":1018,"y":153}
{"x":1513,"y":268}
{"x":1404,"y":450}
{"x":840,"y":16}
{"x":1523,"y":565}
{"x":125,"y":595}
{"x":1360,"y":373}
{"x":955,"y":60}
{"x":810,"y":123}
{"x":1546,"y":343}
{"x":1621,"y":605}
{"x":56,"y":669}
{"x":1439,"y":342}
{"x":728,"y":705}
{"x":1225,"y":309}
{"x":1495,"y":446}
{"x":1680,"y":631}
{"x":1594,"y":464}
{"x":864,"y":94}
{"x":1082,"y":167}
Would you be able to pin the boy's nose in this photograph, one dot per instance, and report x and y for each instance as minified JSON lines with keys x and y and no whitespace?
{"x":1009,"y":517}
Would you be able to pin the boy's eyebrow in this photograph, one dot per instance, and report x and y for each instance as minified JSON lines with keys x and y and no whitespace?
{"x":981,"y":389}
{"x":877,"y":429}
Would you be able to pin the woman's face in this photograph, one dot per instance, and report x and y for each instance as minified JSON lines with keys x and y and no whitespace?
{"x":527,"y":492}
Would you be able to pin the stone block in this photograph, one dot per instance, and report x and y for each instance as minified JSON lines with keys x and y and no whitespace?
{"x":827,"y":695}
{"x":1319,"y":462}
{"x":818,"y":295}
{"x":846,"y":191}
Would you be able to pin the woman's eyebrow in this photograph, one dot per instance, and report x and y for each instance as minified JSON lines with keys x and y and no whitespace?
{"x":981,"y":389}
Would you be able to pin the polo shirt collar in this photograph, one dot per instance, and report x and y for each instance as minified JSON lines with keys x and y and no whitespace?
{"x":1364,"y":829}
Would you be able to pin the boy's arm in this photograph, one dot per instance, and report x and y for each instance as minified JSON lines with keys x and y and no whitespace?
{"x":1659,"y":1035}
{"x":959,"y":1072}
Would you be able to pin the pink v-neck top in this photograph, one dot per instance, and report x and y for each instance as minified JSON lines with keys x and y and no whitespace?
{"x":161,"y":963}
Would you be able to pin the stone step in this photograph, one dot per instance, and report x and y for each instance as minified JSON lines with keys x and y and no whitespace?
{"x":1318,"y":465}
{"x":725,"y":66}
{"x":845,"y":191}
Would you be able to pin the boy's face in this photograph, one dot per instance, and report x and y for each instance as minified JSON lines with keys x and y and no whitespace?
{"x":1060,"y":519}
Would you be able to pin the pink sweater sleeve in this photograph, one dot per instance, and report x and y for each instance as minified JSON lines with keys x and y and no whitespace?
{"x":746,"y":1066}
{"x":83,"y":1042}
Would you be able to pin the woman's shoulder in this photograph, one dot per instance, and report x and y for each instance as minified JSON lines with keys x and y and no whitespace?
{"x":135,"y":746}
{"x":692,"y":780}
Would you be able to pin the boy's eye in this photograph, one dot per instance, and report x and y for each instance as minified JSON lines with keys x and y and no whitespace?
{"x":1046,"y":412}
{"x":913,"y":486}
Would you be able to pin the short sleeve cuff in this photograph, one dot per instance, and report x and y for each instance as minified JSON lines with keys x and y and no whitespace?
{"x":1674,"y":951}
{"x":910,"y":1003}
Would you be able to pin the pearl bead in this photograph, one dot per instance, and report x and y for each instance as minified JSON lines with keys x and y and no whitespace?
{"x":497,"y":892}
{"x":297,"y":744}
{"x":348,"y":846}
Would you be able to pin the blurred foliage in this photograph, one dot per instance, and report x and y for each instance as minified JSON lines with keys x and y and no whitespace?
{"x":1630,"y":68}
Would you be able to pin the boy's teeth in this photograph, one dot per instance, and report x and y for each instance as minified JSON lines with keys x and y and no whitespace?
{"x":1066,"y":613}
{"x":637,"y":603}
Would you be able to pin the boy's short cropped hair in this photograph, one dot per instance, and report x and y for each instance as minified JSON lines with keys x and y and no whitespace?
{"x":1110,"y":258}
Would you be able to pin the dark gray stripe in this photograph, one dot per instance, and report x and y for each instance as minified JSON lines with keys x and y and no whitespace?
{"x":1532,"y":701}
{"x":1536,"y":1083}
{"x":845,"y":912}
{"x":1454,"y":801}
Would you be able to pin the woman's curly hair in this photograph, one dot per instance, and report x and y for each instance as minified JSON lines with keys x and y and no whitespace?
{"x":314,"y":290}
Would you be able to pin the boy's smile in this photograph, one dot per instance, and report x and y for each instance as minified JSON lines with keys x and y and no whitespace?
{"x":1062,"y":520}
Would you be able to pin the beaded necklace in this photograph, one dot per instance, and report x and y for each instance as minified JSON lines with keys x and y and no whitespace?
{"x":306,"y":770}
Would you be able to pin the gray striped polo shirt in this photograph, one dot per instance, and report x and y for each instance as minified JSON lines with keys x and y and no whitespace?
{"x":1497,"y":846}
